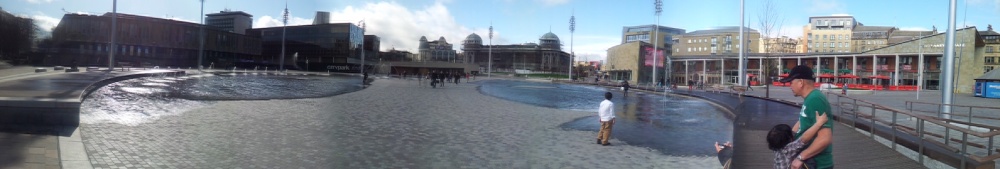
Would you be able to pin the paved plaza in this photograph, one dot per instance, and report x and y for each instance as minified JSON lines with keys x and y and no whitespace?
{"x":394,"y":123}
{"x":391,"y":124}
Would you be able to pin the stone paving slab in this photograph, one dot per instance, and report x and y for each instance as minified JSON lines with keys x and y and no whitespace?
{"x":28,"y":151}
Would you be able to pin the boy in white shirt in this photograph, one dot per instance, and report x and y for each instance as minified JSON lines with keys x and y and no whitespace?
{"x":606,"y":115}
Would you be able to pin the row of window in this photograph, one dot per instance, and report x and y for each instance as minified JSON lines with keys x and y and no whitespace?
{"x":829,"y":37}
{"x":830,"y":44}
{"x":713,"y":40}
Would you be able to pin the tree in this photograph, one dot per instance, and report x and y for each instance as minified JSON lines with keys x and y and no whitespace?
{"x":769,"y":25}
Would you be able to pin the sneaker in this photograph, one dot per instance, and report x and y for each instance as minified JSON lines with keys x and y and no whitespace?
{"x":606,"y":144}
{"x":598,"y":141}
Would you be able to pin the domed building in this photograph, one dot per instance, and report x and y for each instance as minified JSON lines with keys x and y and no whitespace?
{"x":544,"y":56}
{"x":439,"y":50}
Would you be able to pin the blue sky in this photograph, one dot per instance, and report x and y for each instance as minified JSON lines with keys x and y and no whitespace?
{"x":400,"y":23}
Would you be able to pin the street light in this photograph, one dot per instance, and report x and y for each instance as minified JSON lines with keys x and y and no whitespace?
{"x":658,"y":4}
{"x":572,"y":54}
{"x":281,"y":62}
{"x":201,"y":36}
{"x":489,"y":65}
{"x":114,"y":28}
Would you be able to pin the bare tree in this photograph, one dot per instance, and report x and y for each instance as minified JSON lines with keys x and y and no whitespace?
{"x":769,"y":25}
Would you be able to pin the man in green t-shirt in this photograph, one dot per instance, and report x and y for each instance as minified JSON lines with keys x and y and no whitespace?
{"x":821,"y":148}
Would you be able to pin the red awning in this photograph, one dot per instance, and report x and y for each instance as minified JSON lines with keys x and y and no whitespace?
{"x":848,"y":76}
{"x":783,"y":75}
{"x":826,"y":75}
{"x":879,"y":77}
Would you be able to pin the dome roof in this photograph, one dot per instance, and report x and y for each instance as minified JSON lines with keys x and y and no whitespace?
{"x":423,"y":38}
{"x":474,"y":38}
{"x":442,"y":40}
{"x":549,"y":36}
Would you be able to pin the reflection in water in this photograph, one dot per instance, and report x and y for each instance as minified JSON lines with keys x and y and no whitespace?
{"x":135,"y":101}
{"x":673,"y":125}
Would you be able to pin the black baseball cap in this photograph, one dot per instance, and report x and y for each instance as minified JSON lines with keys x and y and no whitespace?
{"x":799,"y":72}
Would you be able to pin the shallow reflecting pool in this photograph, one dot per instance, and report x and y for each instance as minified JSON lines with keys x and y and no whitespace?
{"x":139,"y":100}
{"x":673,"y":125}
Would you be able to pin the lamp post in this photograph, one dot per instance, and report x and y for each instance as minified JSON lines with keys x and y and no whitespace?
{"x":281,"y":62}
{"x":572,"y":54}
{"x":114,"y":28}
{"x":362,"y":24}
{"x":489,"y":65}
{"x":658,"y":4}
{"x":201,"y":36}
{"x":947,"y":88}
{"x":743,"y":46}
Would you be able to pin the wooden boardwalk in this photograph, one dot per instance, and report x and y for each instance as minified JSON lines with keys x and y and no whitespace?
{"x":754,"y":117}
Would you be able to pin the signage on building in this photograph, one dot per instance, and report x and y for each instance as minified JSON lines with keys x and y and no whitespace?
{"x":883,"y":67}
{"x":991,"y":90}
{"x":648,"y":51}
{"x":907,"y":67}
{"x":344,"y":67}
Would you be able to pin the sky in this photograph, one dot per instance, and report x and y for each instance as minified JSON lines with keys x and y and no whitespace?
{"x":401,"y":23}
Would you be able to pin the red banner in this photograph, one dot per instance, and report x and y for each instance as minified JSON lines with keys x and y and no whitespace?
{"x":649,"y":59}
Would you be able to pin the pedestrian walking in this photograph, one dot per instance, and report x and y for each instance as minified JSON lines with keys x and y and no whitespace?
{"x":625,"y":87}
{"x":606,"y":116}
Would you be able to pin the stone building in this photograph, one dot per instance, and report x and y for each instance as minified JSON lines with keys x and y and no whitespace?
{"x":633,"y":62}
{"x":723,"y":40}
{"x":230,"y":21}
{"x":147,"y":41}
{"x":439,"y":50}
{"x":829,"y":34}
{"x":991,"y":51}
{"x":544,"y":57}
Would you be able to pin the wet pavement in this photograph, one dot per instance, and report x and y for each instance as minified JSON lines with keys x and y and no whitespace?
{"x":673,"y":125}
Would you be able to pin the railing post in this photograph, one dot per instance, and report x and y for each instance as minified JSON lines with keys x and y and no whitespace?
{"x":947,"y":135}
{"x":920,"y":139}
{"x":970,"y":118}
{"x":965,"y":137}
{"x":939,"y":111}
{"x":989,"y":147}
{"x":871,"y":127}
{"x":854,"y":122}
{"x":894,"y":129}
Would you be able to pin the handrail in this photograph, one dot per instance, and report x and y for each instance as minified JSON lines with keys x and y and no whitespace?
{"x":854,"y":105}
{"x":985,"y":107}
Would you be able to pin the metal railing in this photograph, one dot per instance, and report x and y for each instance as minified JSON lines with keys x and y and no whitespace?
{"x":919,"y":132}
{"x":988,"y":117}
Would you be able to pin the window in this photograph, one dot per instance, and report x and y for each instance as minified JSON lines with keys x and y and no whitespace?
{"x":824,"y":37}
{"x":987,"y":69}
{"x":990,"y":60}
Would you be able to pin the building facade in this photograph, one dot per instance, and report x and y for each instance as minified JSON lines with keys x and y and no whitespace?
{"x":991,"y":50}
{"x":633,"y":62}
{"x":84,"y":40}
{"x":439,"y":50}
{"x":782,"y":44}
{"x":829,"y":34}
{"x":544,"y":57}
{"x":907,"y":65}
{"x":865,"y":38}
{"x":723,"y":40}
{"x":644,"y":33}
{"x":230,"y":21}
{"x":336,"y":45}
{"x":17,"y":33}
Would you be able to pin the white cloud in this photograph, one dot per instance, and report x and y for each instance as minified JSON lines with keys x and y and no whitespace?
{"x":591,"y":47}
{"x":45,"y":22}
{"x":553,"y":2}
{"x":268,"y":21}
{"x":38,"y":1}
{"x":841,"y":14}
{"x":401,"y":28}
